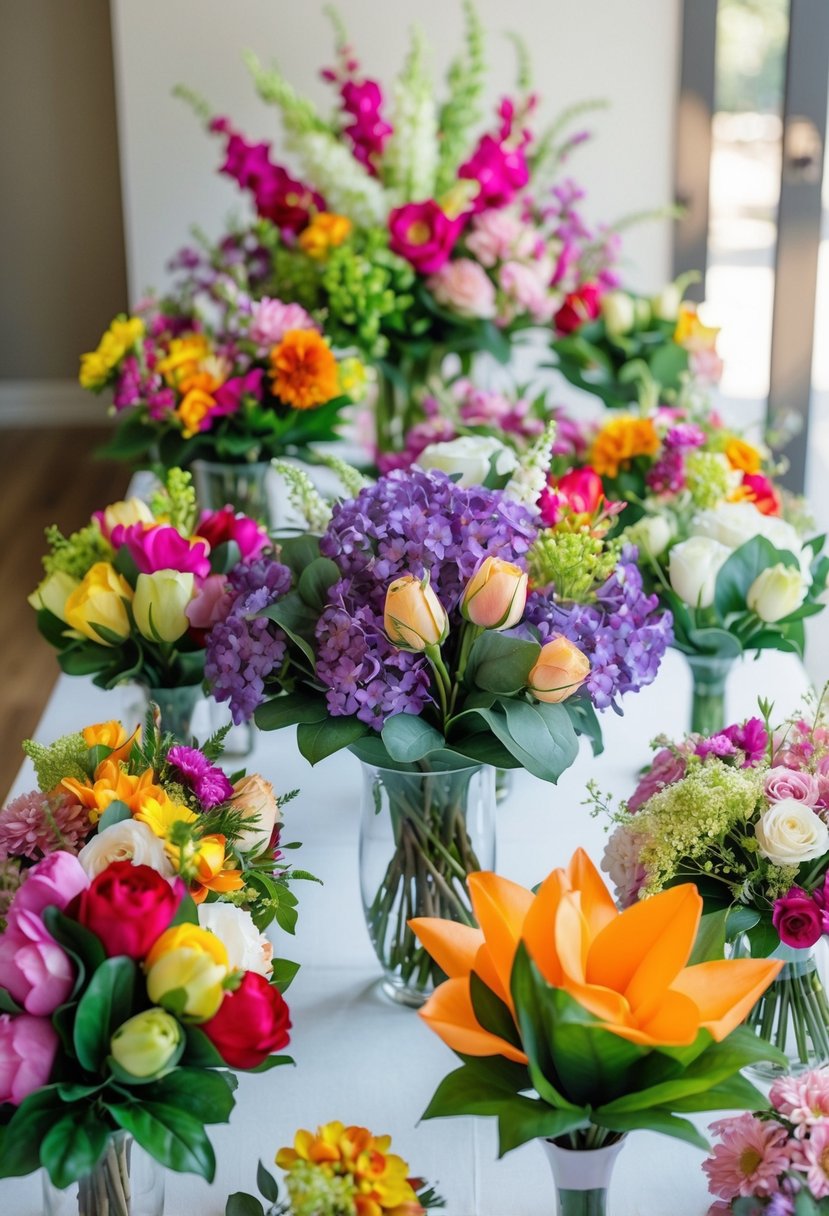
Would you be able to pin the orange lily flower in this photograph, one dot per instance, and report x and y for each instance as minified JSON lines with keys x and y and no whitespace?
{"x":113,"y":784}
{"x":111,"y":734}
{"x":626,"y":968}
{"x":210,"y":875}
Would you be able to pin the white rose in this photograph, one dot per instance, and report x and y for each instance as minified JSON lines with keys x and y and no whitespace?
{"x":470,"y":456}
{"x":693,"y":568}
{"x":651,"y":534}
{"x":777,"y":591}
{"x":734,"y":523}
{"x":790,"y":832}
{"x":247,"y":948}
{"x":619,"y":313}
{"x":129,"y":840}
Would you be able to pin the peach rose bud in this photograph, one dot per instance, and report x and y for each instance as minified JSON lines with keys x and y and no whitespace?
{"x":560,"y":670}
{"x":254,"y":797}
{"x":496,"y":595}
{"x":414,"y":617}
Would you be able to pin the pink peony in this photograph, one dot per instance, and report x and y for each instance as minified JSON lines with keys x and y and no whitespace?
{"x":219,"y":527}
{"x":465,"y":288}
{"x":162,"y":547}
{"x":271,"y":320}
{"x":749,"y":1161}
{"x":424,"y":235}
{"x":669,"y":765}
{"x":782,"y":782}
{"x":28,"y":1046}
{"x":527,"y":288}
{"x":797,"y":919}
{"x":35,"y":824}
{"x":55,"y":881}
{"x":811,"y":1155}
{"x":496,"y":236}
{"x":35,"y":970}
{"x":500,"y":171}
{"x":804,"y":1100}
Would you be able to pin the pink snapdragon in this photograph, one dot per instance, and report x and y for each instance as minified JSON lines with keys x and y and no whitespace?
{"x":28,"y":1047}
{"x":424,"y":235}
{"x":277,"y":195}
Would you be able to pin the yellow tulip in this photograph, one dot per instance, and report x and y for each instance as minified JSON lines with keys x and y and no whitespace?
{"x":145,"y":1044}
{"x":53,"y":592}
{"x":159,"y":604}
{"x":99,"y":599}
{"x":192,"y":960}
{"x":414,"y":617}
{"x":629,"y":969}
{"x":496,"y":595}
{"x":561,"y":668}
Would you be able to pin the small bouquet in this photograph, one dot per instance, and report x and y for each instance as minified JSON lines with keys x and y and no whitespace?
{"x":578,"y":1023}
{"x":130,"y":596}
{"x":205,"y":373}
{"x":742,"y":814}
{"x":108,"y":796}
{"x":626,"y":348}
{"x":338,"y":1170}
{"x":122,"y":1015}
{"x":775,"y":1161}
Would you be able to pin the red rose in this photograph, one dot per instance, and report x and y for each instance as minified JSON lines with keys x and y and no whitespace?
{"x":252,"y":1023}
{"x":128,"y":907}
{"x":218,"y":527}
{"x":578,"y":307}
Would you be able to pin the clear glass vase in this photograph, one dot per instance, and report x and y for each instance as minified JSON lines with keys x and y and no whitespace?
{"x":245,"y":487}
{"x":709,"y":675}
{"x":177,"y":707}
{"x":582,"y":1176}
{"x":125,"y":1182}
{"x":793,"y":1013}
{"x":421,"y":834}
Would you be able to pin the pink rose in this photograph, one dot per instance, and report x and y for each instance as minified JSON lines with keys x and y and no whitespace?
{"x":527,"y":287}
{"x":706,"y":365}
{"x":797,"y":919}
{"x":271,"y":320}
{"x":164,"y":548}
{"x":497,"y":236}
{"x":55,"y":881}
{"x":28,"y":1047}
{"x":500,"y":171}
{"x":465,"y":287}
{"x":33,"y":967}
{"x":423,"y":234}
{"x":209,"y":605}
{"x":782,"y":782}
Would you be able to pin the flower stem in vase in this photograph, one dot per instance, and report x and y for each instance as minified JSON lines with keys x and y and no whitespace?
{"x":794,"y":1015}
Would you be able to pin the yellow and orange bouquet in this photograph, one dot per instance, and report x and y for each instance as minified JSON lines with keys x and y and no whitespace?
{"x":338,"y":1170}
{"x":578,"y":1023}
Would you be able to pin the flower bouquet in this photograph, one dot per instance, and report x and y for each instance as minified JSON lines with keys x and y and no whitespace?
{"x":775,"y":1160}
{"x":704,"y":511}
{"x":129,"y":596}
{"x":339,"y":1170}
{"x":108,"y":796}
{"x":576,"y":1023}
{"x":207,"y":376}
{"x":742,"y":814}
{"x":122,"y":1016}
{"x":625,"y":348}
{"x":408,"y":632}
{"x":415,"y":232}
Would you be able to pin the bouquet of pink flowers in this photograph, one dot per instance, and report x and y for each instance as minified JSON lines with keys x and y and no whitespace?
{"x":775,"y":1162}
{"x":121,"y":1017}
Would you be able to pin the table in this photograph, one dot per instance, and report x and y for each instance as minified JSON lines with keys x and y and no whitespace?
{"x":365,"y":1061}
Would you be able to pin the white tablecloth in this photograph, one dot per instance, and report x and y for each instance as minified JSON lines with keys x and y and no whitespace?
{"x":365,"y":1061}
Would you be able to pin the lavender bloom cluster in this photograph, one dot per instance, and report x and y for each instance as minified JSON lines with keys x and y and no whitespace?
{"x":623,"y":633}
{"x":407,"y":523}
{"x":243,"y":650}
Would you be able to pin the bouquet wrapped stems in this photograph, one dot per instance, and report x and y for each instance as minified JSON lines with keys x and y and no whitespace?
{"x":422,"y":834}
{"x":793,"y":1014}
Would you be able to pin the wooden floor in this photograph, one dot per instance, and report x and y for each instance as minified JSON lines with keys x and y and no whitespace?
{"x":48,"y":476}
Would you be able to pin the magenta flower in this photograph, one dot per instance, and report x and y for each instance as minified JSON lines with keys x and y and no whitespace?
{"x":278,"y":197}
{"x":210,"y":785}
{"x":162,"y":547}
{"x":228,"y":396}
{"x":423,"y":234}
{"x":751,"y":739}
{"x":55,"y":881}
{"x":499,"y":170}
{"x":28,"y":1046}
{"x":35,"y":824}
{"x":218,"y":527}
{"x":749,"y":1161}
{"x":797,"y":919}
{"x":368,"y":130}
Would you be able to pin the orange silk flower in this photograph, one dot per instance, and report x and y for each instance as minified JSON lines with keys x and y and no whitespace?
{"x":210,"y":872}
{"x":303,"y":370}
{"x":113,"y":784}
{"x":626,"y":968}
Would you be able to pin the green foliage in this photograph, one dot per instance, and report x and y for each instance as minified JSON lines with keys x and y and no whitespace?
{"x":75,"y":554}
{"x":66,"y":757}
{"x":462,"y":110}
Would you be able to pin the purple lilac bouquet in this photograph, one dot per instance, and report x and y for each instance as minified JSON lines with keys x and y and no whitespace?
{"x":775,"y":1162}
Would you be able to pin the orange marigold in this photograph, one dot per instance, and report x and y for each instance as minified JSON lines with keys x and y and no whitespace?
{"x":620,"y":441}
{"x":304,"y":370}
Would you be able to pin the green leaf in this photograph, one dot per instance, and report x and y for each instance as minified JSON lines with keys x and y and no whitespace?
{"x":291,"y":709}
{"x":543,"y":734}
{"x":186,"y":913}
{"x":473,"y":1090}
{"x":205,"y":1094}
{"x":316,"y":580}
{"x":271,"y":1062}
{"x":501,"y":664}
{"x":242,"y":1204}
{"x":486,"y":750}
{"x":8,"y":1004}
{"x":653,"y":1120}
{"x":72,"y":1147}
{"x":199,"y":1051}
{"x":710,"y":940}
{"x":283,"y":973}
{"x":298,"y":621}
{"x":740,"y":570}
{"x":22,"y":1136}
{"x":585,"y":721}
{"x":712,"y":640}
{"x":316,"y":740}
{"x":267,"y":1184}
{"x":224,"y":557}
{"x":116,"y":812}
{"x":80,"y":943}
{"x":409,"y":738}
{"x":174,"y":1137}
{"x":668,"y":363}
{"x":298,"y":552}
{"x":491,"y":1012}
{"x":525,"y":1119}
{"x":106,"y":1003}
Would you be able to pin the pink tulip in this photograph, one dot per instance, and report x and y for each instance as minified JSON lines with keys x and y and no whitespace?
{"x":28,"y":1047}
{"x":209,"y":605}
{"x":35,"y":970}
{"x":164,"y":548}
{"x":217,"y":527}
{"x":55,"y":881}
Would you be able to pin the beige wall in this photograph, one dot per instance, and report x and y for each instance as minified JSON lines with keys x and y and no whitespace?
{"x":62,"y":273}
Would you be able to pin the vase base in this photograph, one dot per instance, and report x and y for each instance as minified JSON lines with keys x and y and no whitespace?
{"x":766,"y":1072}
{"x":397,"y":991}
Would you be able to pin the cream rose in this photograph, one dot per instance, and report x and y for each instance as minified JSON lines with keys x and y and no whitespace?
{"x":254,"y":797}
{"x":470,"y":456}
{"x":776,"y":592}
{"x":618,"y":312}
{"x":790,"y":832}
{"x":247,"y":948}
{"x":129,"y":840}
{"x":693,"y":567}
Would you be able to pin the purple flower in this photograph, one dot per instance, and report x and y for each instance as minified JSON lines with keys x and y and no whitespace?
{"x":717,"y":745}
{"x":685,"y":435}
{"x":208,"y":783}
{"x":750,"y":738}
{"x":667,"y":475}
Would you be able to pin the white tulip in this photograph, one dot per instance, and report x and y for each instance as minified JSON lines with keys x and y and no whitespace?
{"x":247,"y":948}
{"x":790,"y":832}
{"x":666,"y":304}
{"x":651,"y":534}
{"x":53,"y":592}
{"x":129,"y":840}
{"x":470,"y":456}
{"x":619,"y":313}
{"x":693,"y":568}
{"x":776,"y":592}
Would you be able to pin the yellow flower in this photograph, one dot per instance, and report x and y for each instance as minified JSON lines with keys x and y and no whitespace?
{"x":94,"y":370}
{"x":183,"y":358}
{"x":743,"y":456}
{"x":690,"y":331}
{"x":413,"y":616}
{"x":113,"y":784}
{"x":160,"y":602}
{"x":127,"y":511}
{"x":191,"y":960}
{"x":52,"y":593}
{"x":147,"y":1043}
{"x":193,"y":409}
{"x":209,"y":861}
{"x":303,"y":370}
{"x":111,"y":734}
{"x":100,"y":600}
{"x":620,"y":441}
{"x":326,"y":231}
{"x":121,"y":337}
{"x":353,"y":378}
{"x":160,"y":813}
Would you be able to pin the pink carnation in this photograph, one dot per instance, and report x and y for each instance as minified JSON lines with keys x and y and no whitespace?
{"x":465,"y":287}
{"x":749,"y":1161}
{"x":271,"y":320}
{"x":35,"y":824}
{"x":498,"y":235}
{"x":804,"y":1100}
{"x":526,"y":287}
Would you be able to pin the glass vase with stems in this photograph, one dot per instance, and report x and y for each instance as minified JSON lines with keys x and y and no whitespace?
{"x":793,"y":1012}
{"x":709,"y":674}
{"x":126,"y":1181}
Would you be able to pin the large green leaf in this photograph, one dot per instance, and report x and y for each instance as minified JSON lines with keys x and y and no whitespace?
{"x":408,"y":738}
{"x":22,"y":1136}
{"x":525,"y":1119}
{"x":316,"y":740}
{"x":545,"y":745}
{"x":491,"y":1012}
{"x":710,"y":940}
{"x":653,"y":1120}
{"x":173,"y":1136}
{"x":298,"y":552}
{"x":104,"y":1006}
{"x":80,"y":943}
{"x":500,"y":663}
{"x":315,"y":581}
{"x":205,"y":1094}
{"x":290,"y":709}
{"x":72,"y":1146}
{"x":242,"y":1204}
